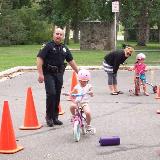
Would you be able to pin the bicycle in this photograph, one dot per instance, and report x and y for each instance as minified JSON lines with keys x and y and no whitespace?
{"x":140,"y":80}
{"x":143,"y":78}
{"x":79,"y":119}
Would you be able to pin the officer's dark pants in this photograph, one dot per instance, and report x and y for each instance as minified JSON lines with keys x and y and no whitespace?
{"x":53,"y":86}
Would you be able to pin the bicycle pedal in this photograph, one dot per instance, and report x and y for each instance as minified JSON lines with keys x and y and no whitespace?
{"x":91,"y":131}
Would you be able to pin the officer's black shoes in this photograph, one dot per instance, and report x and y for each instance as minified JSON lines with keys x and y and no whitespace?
{"x":49,"y":122}
{"x":57,"y":122}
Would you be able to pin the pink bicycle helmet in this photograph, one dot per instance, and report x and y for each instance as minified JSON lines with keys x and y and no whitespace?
{"x":84,"y":75}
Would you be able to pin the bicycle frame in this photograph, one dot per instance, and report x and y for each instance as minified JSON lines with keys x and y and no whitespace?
{"x":141,"y":77}
{"x":79,"y":116}
{"x":79,"y":121}
{"x":137,"y":85}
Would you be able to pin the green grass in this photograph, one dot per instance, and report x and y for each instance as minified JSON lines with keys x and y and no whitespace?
{"x":25,"y":55}
{"x":20,"y":55}
{"x":89,"y":58}
{"x":149,"y":46}
{"x":152,"y":58}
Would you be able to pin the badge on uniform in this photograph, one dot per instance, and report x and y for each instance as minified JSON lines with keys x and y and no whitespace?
{"x":54,"y":49}
{"x":64,"y":50}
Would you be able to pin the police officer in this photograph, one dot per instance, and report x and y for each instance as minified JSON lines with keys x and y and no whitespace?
{"x":51,"y":67}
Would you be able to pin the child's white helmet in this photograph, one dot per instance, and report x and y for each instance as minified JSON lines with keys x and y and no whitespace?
{"x":140,"y":56}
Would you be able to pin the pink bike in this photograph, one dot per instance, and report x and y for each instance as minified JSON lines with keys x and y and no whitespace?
{"x":79,"y":119}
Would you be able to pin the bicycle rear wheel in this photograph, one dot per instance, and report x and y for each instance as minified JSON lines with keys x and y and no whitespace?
{"x":155,"y":89}
{"x":76,"y":131}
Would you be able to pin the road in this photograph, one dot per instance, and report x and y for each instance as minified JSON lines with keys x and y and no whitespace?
{"x":132,"y":118}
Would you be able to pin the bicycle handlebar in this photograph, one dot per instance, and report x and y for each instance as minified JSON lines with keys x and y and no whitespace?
{"x":75,"y":94}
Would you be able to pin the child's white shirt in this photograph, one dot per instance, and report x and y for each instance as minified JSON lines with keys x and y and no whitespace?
{"x":83,"y":90}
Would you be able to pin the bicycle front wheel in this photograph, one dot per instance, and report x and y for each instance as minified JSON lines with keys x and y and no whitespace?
{"x":137,"y":87}
{"x":76,"y":131}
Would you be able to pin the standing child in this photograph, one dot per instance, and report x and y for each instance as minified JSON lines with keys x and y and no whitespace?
{"x":83,"y":87}
{"x":140,"y":68}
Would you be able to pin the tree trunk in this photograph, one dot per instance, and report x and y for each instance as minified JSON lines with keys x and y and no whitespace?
{"x":143,"y":28}
{"x":76,"y":34}
{"x":67,"y":33}
{"x":125,"y":35}
{"x":142,"y":34}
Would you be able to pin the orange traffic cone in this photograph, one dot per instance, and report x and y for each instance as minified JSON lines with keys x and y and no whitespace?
{"x":30,"y":119}
{"x":158,"y":93}
{"x":74,"y":82}
{"x":60,"y":110}
{"x":7,"y":137}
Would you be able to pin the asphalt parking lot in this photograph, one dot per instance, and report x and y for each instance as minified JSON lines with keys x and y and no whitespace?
{"x":132,"y":118}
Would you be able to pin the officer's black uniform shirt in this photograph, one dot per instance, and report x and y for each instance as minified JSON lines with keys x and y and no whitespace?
{"x":54,"y":55}
{"x":115,"y":58}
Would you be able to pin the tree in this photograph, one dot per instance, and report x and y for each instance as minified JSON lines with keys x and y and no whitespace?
{"x":17,"y":4}
{"x":155,"y":16}
{"x":11,"y":26}
{"x":12,"y":32}
{"x":102,"y":10}
{"x":138,"y":14}
{"x":65,"y":12}
{"x":37,"y":29}
{"x":22,"y":25}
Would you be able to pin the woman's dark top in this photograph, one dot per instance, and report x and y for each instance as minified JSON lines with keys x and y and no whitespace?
{"x":115,"y":58}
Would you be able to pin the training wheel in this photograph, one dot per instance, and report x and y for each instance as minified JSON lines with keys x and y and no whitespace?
{"x":109,"y":140}
{"x":158,"y":111}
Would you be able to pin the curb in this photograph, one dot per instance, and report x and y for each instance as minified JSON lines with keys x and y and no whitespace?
{"x":13,"y":72}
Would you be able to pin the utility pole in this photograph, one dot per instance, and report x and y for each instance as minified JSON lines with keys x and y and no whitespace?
{"x":115,"y":9}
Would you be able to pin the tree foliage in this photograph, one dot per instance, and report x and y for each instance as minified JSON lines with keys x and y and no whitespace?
{"x":29,"y":21}
{"x":140,"y":15}
{"x":20,"y":24}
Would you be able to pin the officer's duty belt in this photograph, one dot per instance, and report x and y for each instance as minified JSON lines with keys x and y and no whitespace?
{"x":56,"y":69}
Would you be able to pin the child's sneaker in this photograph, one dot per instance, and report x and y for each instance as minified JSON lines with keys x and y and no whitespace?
{"x":90,"y":129}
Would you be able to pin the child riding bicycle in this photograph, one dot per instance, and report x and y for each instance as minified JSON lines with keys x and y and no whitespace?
{"x":140,"y":68}
{"x":84,"y":88}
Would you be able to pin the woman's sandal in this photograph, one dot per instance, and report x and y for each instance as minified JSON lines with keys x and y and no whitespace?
{"x":114,"y":93}
{"x":120,"y":92}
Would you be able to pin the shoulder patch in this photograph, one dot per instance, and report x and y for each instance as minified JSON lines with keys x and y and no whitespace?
{"x":43,"y":45}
